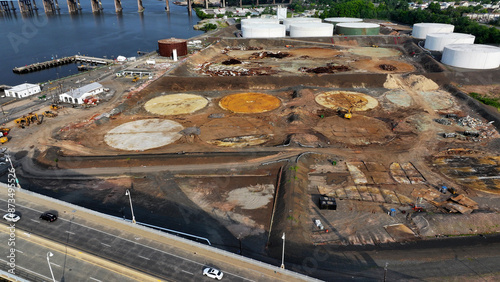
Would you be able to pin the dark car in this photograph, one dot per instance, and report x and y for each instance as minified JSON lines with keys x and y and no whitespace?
{"x":48,"y":216}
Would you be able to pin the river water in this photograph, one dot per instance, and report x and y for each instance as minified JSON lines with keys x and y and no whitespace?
{"x":29,"y":39}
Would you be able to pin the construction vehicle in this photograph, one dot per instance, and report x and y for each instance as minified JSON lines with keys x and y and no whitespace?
{"x":24,"y":121}
{"x":136,"y":78}
{"x":4,"y":131}
{"x":54,"y":107}
{"x":4,"y":140}
{"x":49,"y":114}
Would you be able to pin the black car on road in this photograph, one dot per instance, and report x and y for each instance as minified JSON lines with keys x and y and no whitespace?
{"x":48,"y":216}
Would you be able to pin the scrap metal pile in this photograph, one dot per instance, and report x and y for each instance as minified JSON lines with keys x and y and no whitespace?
{"x":212,"y":69}
{"x":330,"y":68}
{"x":478,"y":129}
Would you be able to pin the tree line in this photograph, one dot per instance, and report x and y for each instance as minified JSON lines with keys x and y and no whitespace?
{"x":399,"y":11}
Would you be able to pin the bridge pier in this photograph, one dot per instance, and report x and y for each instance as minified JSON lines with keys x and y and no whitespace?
{"x":48,"y":6}
{"x":72,"y":7}
{"x":118,"y":6}
{"x":4,"y":7}
{"x":34,"y":5}
{"x":206,"y":4}
{"x":139,"y":6}
{"x":25,"y":6}
{"x":167,"y":7}
{"x":190,"y":9}
{"x":12,"y":5}
{"x":96,"y":6}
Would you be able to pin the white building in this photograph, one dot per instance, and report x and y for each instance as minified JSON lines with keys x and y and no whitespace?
{"x":77,"y":96}
{"x":23,"y":90}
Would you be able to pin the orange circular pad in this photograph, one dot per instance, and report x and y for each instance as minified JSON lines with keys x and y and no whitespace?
{"x":246,"y":103}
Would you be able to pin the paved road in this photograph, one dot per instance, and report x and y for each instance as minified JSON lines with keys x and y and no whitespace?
{"x":136,"y":248}
{"x":31,"y":261}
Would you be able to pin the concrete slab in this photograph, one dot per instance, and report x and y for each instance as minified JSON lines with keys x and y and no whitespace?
{"x":143,"y":134}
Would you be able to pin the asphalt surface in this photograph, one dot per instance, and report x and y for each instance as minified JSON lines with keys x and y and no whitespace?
{"x":121,"y":243}
{"x":31,"y":262}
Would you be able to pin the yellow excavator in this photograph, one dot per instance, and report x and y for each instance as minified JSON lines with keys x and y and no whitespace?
{"x":49,"y":114}
{"x":345,"y":113}
{"x":3,"y":135}
{"x":24,"y":121}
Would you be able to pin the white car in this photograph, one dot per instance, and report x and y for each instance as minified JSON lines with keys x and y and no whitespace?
{"x":213,"y":273}
{"x":12,"y":217}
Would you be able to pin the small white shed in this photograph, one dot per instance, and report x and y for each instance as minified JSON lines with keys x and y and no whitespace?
{"x":23,"y":90}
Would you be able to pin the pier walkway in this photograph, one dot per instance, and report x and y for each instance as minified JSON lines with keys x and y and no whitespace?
{"x":61,"y":61}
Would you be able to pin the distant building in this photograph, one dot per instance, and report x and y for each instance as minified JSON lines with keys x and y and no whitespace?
{"x":23,"y":90}
{"x":78,"y":96}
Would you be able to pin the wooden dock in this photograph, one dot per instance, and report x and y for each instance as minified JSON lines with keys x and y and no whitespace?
{"x":61,"y":61}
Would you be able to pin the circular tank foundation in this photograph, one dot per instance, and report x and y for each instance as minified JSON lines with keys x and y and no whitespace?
{"x":248,"y":103}
{"x":143,"y":134}
{"x":346,"y":99}
{"x":175,"y":104}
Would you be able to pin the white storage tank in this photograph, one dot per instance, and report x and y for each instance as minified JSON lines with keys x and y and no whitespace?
{"x":288,"y":21}
{"x":253,"y":21}
{"x":263,"y":31}
{"x":437,"y":41}
{"x":358,"y":28}
{"x":335,"y":21}
{"x":471,"y":56}
{"x":421,"y":30}
{"x":311,"y":29}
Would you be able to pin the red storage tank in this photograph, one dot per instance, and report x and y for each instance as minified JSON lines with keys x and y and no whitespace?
{"x":166,"y":47}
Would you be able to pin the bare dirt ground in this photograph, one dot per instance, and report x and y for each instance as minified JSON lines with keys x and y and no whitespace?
{"x":392,"y":156}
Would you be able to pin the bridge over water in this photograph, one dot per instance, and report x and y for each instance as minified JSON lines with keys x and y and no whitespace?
{"x":52,"y":6}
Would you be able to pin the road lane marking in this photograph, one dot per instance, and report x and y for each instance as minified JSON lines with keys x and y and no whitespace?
{"x":55,"y":264}
{"x":187,"y":272}
{"x":72,"y":233}
{"x":106,"y":245}
{"x":144,"y":257}
{"x":133,"y":242}
{"x":28,"y":270}
{"x":35,"y":220}
{"x":19,"y":251}
{"x":92,"y":278}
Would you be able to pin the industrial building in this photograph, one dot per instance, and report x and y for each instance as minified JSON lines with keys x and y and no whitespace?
{"x":263,"y":31}
{"x":311,"y":29}
{"x":471,"y":56}
{"x":336,"y":21}
{"x":172,"y":47}
{"x":78,"y":96}
{"x":357,"y":28}
{"x":437,"y":41}
{"x":289,"y":21}
{"x":23,"y":90}
{"x":421,"y":30}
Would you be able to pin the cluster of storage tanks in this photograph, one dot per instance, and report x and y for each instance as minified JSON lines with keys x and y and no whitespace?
{"x":305,"y":27}
{"x":458,"y":49}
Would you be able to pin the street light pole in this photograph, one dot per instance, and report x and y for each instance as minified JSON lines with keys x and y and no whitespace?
{"x":127,"y":193}
{"x":49,"y":254}
{"x":283,"y":252}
